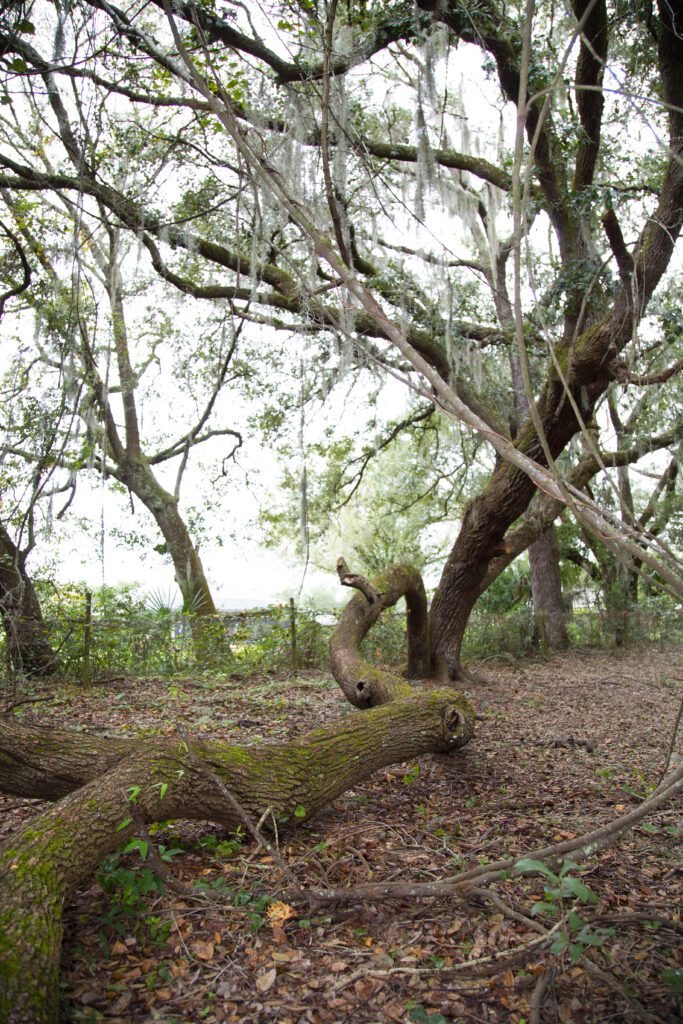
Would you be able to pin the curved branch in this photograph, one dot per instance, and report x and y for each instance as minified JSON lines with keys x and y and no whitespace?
{"x":389,"y":26}
{"x":546,"y":508}
{"x":178,"y":447}
{"x":624,"y":375}
{"x":363,"y":684}
{"x":365,"y":458}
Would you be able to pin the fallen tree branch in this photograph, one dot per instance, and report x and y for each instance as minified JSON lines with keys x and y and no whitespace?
{"x":365,"y":685}
{"x":537,"y":996}
{"x":92,"y":779}
{"x":582,"y":846}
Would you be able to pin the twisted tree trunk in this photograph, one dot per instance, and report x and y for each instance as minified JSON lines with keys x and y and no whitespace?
{"x":94,"y":780}
{"x":363,"y":684}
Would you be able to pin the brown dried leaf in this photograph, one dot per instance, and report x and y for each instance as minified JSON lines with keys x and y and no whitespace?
{"x":202,"y":950}
{"x":265,"y":981}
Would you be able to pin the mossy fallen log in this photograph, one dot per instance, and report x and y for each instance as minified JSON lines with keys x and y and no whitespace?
{"x":93,"y":780}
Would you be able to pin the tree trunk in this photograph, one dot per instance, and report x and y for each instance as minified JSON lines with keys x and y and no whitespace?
{"x":550,"y":621}
{"x":544,"y":553}
{"x":482,"y":536}
{"x":588,"y":359}
{"x":93,"y":779}
{"x":208,"y":632}
{"x":28,"y":643}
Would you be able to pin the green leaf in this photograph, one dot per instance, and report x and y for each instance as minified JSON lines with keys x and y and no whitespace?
{"x":673,"y":977}
{"x":27,"y":27}
{"x":299,"y":811}
{"x":567,"y":866}
{"x":421,"y":1016}
{"x":573,"y":887}
{"x":648,"y":827}
{"x":140,"y":845}
{"x":162,"y":789}
{"x":543,"y":908}
{"x":576,"y":952}
{"x":529,"y":864}
{"x":18,"y":65}
{"x":576,"y":923}
{"x":560,"y":944}
{"x":123,"y":824}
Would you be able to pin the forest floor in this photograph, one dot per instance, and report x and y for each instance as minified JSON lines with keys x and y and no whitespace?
{"x":563,"y":746}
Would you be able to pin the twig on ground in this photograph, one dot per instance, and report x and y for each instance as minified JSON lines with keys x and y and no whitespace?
{"x":18,"y":703}
{"x":503,"y":657}
{"x":508,"y":912}
{"x":637,"y":1008}
{"x":28,"y":802}
{"x":641,"y":917}
{"x":481,"y":967}
{"x":586,"y":845}
{"x":537,"y":996}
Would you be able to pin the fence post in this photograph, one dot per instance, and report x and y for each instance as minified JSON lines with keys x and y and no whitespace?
{"x":85,"y":668}
{"x":292,"y":632}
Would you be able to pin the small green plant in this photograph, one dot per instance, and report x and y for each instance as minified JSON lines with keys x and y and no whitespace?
{"x":578,"y":935}
{"x":130,"y":889}
{"x":673,"y":977}
{"x":420,"y":1015}
{"x":223,"y":848}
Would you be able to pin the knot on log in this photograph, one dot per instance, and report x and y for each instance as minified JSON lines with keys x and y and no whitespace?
{"x":458,"y":722}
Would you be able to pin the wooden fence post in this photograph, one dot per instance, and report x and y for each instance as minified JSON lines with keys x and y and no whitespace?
{"x":87,"y":623}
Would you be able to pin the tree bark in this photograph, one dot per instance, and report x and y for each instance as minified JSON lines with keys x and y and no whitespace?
{"x":28,"y":643}
{"x":550,"y":620}
{"x":208,"y":633}
{"x":544,"y":552}
{"x":587,"y":354}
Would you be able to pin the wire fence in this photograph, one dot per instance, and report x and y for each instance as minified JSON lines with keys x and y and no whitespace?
{"x":95,"y":642}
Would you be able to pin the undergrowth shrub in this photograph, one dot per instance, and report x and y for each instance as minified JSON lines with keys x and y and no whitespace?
{"x":134,"y":635}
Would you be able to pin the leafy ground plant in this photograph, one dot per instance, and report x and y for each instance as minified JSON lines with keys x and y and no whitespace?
{"x":562,"y":896}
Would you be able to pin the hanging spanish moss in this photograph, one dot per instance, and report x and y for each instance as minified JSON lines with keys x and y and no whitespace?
{"x":304,"y":526}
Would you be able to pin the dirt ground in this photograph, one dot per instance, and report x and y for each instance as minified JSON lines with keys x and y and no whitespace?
{"x":562,"y":746}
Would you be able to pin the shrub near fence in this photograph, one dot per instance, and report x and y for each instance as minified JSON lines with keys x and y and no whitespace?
{"x":124,"y":637}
